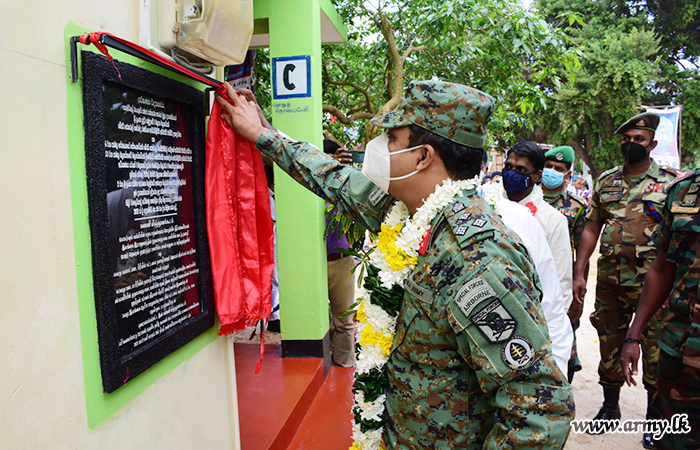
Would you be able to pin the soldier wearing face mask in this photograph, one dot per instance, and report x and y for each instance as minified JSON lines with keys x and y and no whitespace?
{"x":522,"y":173}
{"x":471,"y":364}
{"x":628,"y":200}
{"x":555,"y":178}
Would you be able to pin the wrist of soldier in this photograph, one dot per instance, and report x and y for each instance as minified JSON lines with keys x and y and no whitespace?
{"x":629,"y":340}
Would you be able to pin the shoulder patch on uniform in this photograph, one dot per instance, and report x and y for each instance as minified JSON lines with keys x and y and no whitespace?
{"x":518,"y":353}
{"x":494,"y":321}
{"x":472,"y":293}
{"x":376,"y":195}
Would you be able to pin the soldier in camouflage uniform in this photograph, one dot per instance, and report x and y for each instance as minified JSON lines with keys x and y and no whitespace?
{"x":458,"y":377}
{"x":628,"y":200}
{"x":674,"y":277}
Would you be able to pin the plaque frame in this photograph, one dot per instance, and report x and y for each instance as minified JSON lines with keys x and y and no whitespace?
{"x":96,"y":70}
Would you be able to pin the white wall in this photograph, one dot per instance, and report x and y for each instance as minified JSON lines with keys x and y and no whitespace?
{"x":42,"y":400}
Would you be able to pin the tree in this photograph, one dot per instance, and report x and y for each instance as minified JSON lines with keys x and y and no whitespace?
{"x":626,"y":62}
{"x":493,"y":45}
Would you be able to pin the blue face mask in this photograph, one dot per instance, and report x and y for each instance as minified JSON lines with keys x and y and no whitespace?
{"x":515,"y":182}
{"x":552,"y":179}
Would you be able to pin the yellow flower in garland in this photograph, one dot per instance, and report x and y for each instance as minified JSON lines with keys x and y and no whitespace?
{"x":361,"y":315}
{"x":383,"y":340}
{"x":395,"y":258}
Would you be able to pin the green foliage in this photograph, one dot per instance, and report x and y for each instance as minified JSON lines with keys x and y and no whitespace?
{"x":493,"y":45}
{"x":337,"y":223}
{"x":388,"y":299}
{"x":628,"y":51}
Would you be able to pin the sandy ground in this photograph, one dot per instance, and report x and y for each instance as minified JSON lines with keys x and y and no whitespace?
{"x":588,"y":393}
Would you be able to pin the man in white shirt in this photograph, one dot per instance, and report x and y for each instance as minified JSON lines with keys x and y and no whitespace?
{"x":521,"y":176}
{"x":519,"y":219}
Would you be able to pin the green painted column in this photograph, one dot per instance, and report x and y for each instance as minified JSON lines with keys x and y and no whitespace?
{"x":295,"y":30}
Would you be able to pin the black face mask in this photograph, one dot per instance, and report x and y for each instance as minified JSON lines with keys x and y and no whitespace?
{"x":633,"y":152}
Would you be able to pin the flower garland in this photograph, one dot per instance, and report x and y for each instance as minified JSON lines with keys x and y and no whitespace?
{"x":494,"y":193}
{"x":398,"y":247}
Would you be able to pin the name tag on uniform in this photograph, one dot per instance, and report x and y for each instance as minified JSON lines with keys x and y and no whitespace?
{"x":685,"y":209}
{"x":611,"y":190}
{"x":423,"y":294}
{"x":376,"y":195}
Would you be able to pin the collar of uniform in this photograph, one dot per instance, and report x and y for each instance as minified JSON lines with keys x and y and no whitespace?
{"x":560,"y":193}
{"x":652,"y":171}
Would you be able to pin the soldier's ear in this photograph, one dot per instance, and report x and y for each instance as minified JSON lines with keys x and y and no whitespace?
{"x":427,"y":156}
{"x":653,"y":145}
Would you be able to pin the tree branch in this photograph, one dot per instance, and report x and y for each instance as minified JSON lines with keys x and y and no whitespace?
{"x":345,"y":83}
{"x":347,"y":120}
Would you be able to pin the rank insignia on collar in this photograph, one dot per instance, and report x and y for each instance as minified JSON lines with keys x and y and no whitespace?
{"x":518,"y":353}
{"x":494,"y":321}
{"x":458,"y":207}
{"x":479,"y":223}
{"x":459,"y":231}
{"x":617,"y":183}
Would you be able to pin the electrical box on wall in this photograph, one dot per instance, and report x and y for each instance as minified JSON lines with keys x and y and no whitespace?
{"x":216,"y":31}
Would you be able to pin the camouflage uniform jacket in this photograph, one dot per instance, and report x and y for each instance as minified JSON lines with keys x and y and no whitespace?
{"x":631,"y":209}
{"x":573,"y":208}
{"x":472,"y":365}
{"x":679,"y":236}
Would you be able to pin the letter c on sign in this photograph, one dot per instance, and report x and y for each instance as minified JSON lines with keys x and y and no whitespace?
{"x":285,"y":77}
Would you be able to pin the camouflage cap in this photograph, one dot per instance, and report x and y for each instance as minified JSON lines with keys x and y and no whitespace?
{"x":563,"y":153}
{"x":644,"y":121}
{"x":456,"y":112}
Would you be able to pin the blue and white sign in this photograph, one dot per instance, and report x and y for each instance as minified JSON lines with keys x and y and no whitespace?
{"x":291,"y":77}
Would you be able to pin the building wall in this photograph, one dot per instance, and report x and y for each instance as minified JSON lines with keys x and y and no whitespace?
{"x":42,"y":389}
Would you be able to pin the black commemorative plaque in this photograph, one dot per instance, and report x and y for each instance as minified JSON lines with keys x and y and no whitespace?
{"x":144,"y":139}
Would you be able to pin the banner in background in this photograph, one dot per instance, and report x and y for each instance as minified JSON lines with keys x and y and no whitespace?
{"x":667,"y":152}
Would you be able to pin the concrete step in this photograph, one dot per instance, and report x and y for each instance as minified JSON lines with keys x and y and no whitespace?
{"x":326,"y":425}
{"x":273,"y":404}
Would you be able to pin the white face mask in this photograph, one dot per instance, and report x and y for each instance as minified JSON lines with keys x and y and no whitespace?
{"x":377,"y":164}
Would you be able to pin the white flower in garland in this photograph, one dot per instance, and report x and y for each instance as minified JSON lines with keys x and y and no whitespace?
{"x":370,"y":410}
{"x":370,"y":440}
{"x":398,"y":247}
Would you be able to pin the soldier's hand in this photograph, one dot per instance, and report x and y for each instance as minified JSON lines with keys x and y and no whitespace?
{"x":575,"y":310}
{"x":579,"y":289}
{"x":241,"y":115}
{"x":248,"y":94}
{"x":343,"y":156}
{"x":628,"y":360}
